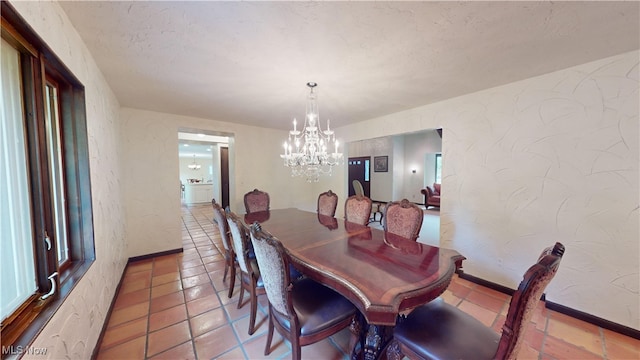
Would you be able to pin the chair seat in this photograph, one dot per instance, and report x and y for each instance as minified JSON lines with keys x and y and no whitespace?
{"x":438,"y":330}
{"x":318,"y":307}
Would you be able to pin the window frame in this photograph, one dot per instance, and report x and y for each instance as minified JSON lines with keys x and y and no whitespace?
{"x":438,"y":160}
{"x":38,"y":65}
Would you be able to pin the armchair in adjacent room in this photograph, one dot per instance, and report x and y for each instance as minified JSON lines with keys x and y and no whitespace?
{"x":431,"y":195}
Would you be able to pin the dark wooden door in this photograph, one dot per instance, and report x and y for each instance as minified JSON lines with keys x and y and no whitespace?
{"x":224,"y":175}
{"x":360,"y":169}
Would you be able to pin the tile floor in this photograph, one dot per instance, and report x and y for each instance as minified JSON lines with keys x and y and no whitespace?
{"x":176,"y":307}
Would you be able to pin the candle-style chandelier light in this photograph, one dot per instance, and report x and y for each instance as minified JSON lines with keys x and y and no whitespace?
{"x":194,"y":165}
{"x":308,"y":151}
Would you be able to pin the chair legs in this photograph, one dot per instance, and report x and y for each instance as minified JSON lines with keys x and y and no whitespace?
{"x":296,"y":350}
{"x":232,"y":278}
{"x":253,"y":298}
{"x":254,"y":310}
{"x":267,"y":349}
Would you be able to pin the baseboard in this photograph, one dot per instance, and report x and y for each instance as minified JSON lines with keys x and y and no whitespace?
{"x":150,"y":256}
{"x":96,"y":349}
{"x":485,"y":283}
{"x":591,"y":319}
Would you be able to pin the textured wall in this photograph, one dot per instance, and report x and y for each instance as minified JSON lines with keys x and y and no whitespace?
{"x":551,"y":158}
{"x":150,"y":142}
{"x":73,"y":331}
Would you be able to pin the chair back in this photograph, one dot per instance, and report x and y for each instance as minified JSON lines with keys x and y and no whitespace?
{"x":403,"y":218}
{"x":357,"y":209}
{"x":357,"y":187}
{"x":525,"y":300}
{"x":221,"y":220}
{"x":327,"y":203}
{"x":240,"y":242}
{"x":274,"y":264}
{"x":256,"y":200}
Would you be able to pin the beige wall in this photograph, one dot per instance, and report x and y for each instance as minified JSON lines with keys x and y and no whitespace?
{"x":74,"y":329}
{"x":552,"y":158}
{"x":151,"y":179}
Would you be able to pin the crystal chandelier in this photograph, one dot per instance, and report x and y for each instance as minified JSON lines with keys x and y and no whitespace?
{"x":194,"y":165}
{"x":305,"y":152}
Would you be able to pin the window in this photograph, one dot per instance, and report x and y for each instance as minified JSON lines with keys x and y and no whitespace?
{"x":438,"y":168}
{"x":46,"y":224}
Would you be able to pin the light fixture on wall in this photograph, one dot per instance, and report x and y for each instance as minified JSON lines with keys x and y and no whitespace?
{"x":194,"y":165}
{"x":306,"y":150}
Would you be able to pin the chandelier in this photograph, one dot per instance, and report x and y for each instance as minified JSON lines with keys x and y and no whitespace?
{"x":194,"y":165}
{"x":305,"y":151}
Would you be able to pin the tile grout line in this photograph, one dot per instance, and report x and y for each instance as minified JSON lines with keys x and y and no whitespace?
{"x":192,"y":339}
{"x":222,"y":305}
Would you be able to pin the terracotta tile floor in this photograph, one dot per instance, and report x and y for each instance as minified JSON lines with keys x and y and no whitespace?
{"x":176,"y":307}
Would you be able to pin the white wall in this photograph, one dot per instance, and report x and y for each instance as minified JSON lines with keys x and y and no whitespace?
{"x":405,"y":152}
{"x":74,"y":329}
{"x":153,"y":207}
{"x":381,"y":182}
{"x":417,"y":147}
{"x":551,"y":158}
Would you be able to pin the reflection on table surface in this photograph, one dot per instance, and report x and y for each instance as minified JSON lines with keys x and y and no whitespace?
{"x":380,"y":272}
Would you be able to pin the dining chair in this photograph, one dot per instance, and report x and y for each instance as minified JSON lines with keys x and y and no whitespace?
{"x":357,"y":209}
{"x":403,"y":218}
{"x":303,"y":312}
{"x":256,"y":200}
{"x":230,"y":261}
{"x":357,"y":187}
{"x":438,"y":330}
{"x":250,"y":278}
{"x":327,"y":203}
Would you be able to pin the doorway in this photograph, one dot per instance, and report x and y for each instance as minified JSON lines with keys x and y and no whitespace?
{"x":204,"y":167}
{"x":360,"y":169}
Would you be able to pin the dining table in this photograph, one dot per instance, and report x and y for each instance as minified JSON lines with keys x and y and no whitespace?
{"x":384,"y":275}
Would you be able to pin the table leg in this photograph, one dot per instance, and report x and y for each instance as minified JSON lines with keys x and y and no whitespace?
{"x":370,"y":340}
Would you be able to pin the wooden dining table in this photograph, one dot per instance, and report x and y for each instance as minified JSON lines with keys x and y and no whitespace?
{"x":382,"y":274}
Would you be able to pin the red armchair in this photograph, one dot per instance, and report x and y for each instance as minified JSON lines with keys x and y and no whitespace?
{"x":431,"y":195}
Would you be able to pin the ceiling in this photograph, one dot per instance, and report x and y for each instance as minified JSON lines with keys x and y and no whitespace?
{"x":248,"y":62}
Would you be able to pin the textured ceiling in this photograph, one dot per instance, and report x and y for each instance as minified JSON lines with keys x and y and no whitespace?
{"x":248,"y":62}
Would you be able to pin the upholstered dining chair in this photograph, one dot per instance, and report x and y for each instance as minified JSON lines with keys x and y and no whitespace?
{"x":256,"y":200}
{"x":250,"y":278}
{"x":230,"y":261}
{"x":403,"y":218}
{"x":438,"y":330}
{"x":357,"y":209}
{"x":327,"y":203}
{"x":303,"y":312}
{"x":357,"y":187}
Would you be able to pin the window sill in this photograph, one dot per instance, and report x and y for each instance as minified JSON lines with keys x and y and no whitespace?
{"x":37,"y":314}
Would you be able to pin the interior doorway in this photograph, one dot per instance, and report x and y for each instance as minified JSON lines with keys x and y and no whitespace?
{"x":204,"y":170}
{"x":360,"y":169}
